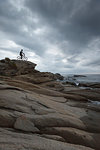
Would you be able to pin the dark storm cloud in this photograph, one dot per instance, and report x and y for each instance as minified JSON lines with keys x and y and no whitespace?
{"x":76,"y":21}
{"x":61,"y":31}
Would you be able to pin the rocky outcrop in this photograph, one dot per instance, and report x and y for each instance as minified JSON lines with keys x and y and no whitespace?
{"x":59,"y":76}
{"x":15,"y":67}
{"x":76,"y":76}
{"x":47,"y":114}
{"x":25,"y":70}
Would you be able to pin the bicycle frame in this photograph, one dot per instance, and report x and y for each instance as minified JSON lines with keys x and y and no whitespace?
{"x":23,"y":58}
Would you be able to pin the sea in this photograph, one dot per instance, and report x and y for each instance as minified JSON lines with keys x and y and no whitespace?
{"x":83,"y":78}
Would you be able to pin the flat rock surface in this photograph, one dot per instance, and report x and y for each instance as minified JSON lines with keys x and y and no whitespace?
{"x":12,"y":140}
{"x":47,"y":114}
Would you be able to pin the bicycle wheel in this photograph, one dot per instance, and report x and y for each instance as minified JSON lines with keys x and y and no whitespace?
{"x":18,"y":58}
{"x":25,"y":58}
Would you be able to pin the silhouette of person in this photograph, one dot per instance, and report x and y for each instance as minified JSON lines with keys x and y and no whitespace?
{"x":21,"y":53}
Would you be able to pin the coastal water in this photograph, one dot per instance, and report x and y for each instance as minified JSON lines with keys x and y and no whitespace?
{"x":85,"y":78}
{"x":84,"y":82}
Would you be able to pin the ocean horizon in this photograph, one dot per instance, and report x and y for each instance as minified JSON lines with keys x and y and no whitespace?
{"x":94,"y":78}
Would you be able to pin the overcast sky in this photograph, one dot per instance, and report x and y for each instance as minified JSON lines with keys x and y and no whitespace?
{"x":58,"y":35}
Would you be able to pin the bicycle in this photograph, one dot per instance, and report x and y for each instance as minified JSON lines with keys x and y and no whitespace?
{"x":23,"y":57}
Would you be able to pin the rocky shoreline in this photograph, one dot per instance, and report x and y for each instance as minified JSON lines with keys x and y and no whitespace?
{"x":39,"y":112}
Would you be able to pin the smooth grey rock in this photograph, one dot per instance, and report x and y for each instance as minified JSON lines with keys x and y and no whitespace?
{"x":24,"y":124}
{"x":11,"y":140}
{"x":6,"y":118}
